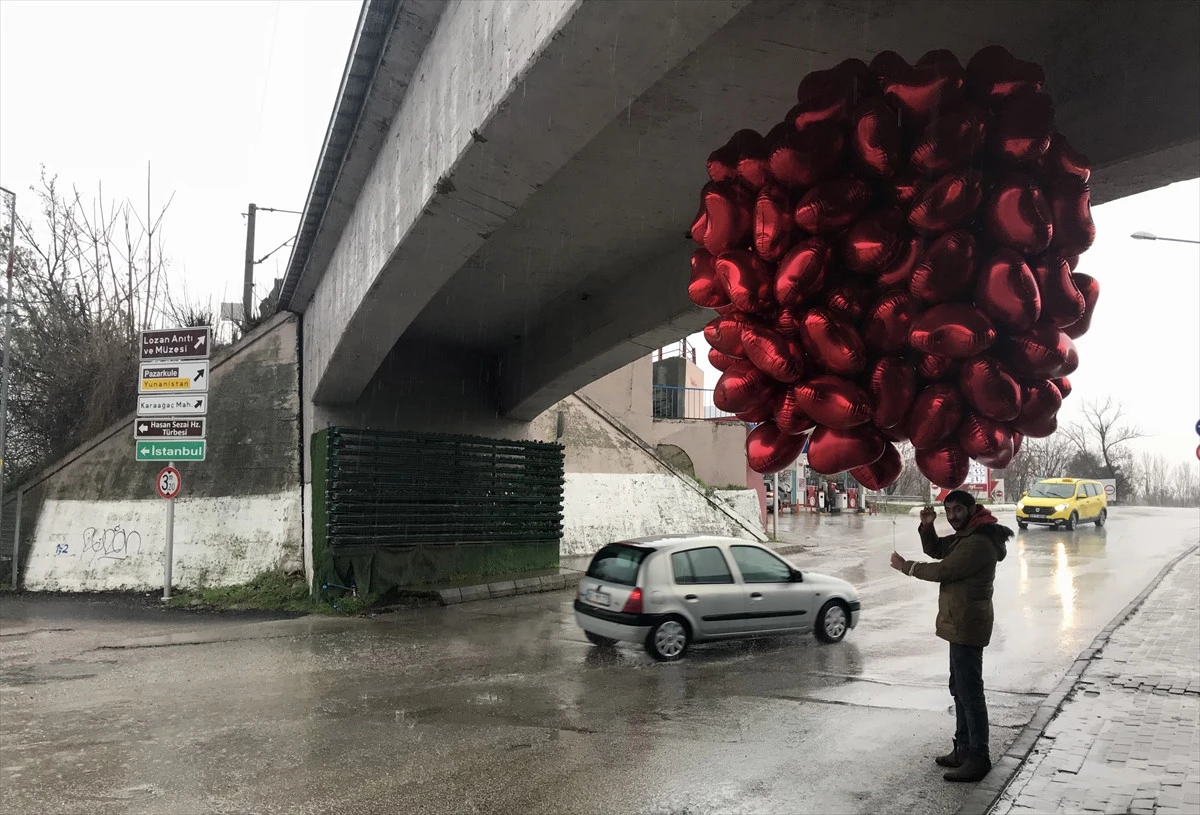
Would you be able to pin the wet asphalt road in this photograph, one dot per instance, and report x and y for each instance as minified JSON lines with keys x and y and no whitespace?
{"x":502,"y":706}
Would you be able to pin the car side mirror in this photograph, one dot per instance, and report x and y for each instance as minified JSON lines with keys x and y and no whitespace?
{"x":797,"y":577}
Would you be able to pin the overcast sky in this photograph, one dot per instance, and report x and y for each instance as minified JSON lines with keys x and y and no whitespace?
{"x":229,"y":100}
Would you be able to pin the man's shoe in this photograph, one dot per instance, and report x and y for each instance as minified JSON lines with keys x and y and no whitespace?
{"x":954,"y":758}
{"x":974,"y":768}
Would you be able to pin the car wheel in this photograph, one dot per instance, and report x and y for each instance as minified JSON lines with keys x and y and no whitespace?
{"x":668,"y":640}
{"x":1103,"y":517}
{"x":596,"y":639}
{"x":1022,"y":525}
{"x":833,"y":621}
{"x":1072,"y":521}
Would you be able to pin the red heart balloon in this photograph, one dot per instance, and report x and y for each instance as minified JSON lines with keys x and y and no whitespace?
{"x":1007,"y":291}
{"x":803,"y":158}
{"x":705,"y":289}
{"x":833,"y":401}
{"x":932,"y":368}
{"x":881,"y":473}
{"x":949,"y":202}
{"x":847,"y":301}
{"x":1071,"y":205}
{"x":726,"y":217}
{"x":1089,"y":287}
{"x":1018,"y":216}
{"x":1041,"y":352}
{"x":777,"y":356}
{"x":990,"y":390}
{"x":893,"y":387}
{"x":1039,"y":410}
{"x":887,"y":325}
{"x":899,"y":272}
{"x":1062,"y":302}
{"x":754,"y":162}
{"x":1072,"y":261}
{"x":832,"y":205}
{"x":895,"y":433}
{"x":828,"y":96}
{"x":955,"y":330}
{"x":833,"y":450}
{"x":935,"y":415}
{"x":773,"y":223}
{"x":758,"y":414}
{"x":887,"y":65}
{"x":907,"y":185}
{"x":873,"y":242}
{"x":725,"y":335}
{"x":994,"y":76}
{"x":787,"y":323}
{"x":1064,"y":160}
{"x":720,"y":361}
{"x":946,"y":465}
{"x":768,"y":450}
{"x":947,"y":269}
{"x":876,"y":138}
{"x":742,"y":387}
{"x":790,"y":417}
{"x":747,"y":279}
{"x":1063,"y":384}
{"x":921,"y":91}
{"x":801,"y":273}
{"x":1023,"y":128}
{"x":1017,"y":439}
{"x":832,"y":343}
{"x":722,"y":162}
{"x":951,"y":141}
{"x":987,"y":441}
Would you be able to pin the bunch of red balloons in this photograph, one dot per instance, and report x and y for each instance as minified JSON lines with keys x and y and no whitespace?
{"x":896,"y":261}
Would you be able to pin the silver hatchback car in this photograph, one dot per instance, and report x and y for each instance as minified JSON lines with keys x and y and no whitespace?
{"x":669,"y":592}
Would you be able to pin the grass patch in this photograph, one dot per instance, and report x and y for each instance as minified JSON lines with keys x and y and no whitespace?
{"x":271,"y":591}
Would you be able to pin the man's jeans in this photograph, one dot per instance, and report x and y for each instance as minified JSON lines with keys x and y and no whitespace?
{"x":970,"y":708}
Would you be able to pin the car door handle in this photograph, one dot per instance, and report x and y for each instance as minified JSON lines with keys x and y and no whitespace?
{"x":690,"y":597}
{"x":756,"y":595}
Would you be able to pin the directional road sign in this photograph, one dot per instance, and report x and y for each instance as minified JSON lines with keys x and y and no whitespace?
{"x":169,"y":450}
{"x":183,"y":429}
{"x":173,"y":405}
{"x":177,"y":343}
{"x":173,"y":377}
{"x":169,"y":483}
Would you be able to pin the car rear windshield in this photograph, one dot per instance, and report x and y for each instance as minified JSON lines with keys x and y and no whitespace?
{"x":1044,"y":490}
{"x":617,"y":563}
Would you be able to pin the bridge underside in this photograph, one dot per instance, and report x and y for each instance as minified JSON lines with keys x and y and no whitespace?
{"x":546,"y":245}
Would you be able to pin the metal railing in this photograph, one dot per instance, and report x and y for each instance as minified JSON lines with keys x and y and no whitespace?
{"x":683,"y":348}
{"x":686,"y":403}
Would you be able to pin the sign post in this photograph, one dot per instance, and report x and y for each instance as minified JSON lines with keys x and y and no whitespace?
{"x":168,"y":485}
{"x":172,"y":411}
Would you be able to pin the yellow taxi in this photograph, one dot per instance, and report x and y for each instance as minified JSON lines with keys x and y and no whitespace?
{"x":1063,"y":502}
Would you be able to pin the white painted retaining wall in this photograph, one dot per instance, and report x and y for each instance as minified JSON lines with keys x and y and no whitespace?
{"x":603,"y":507}
{"x":118,"y":545}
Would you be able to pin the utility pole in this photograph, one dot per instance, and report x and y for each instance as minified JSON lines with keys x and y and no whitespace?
{"x":8,"y":315}
{"x":248,"y":288}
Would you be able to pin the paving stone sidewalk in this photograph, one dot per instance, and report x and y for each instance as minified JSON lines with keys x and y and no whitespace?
{"x":1127,"y":739}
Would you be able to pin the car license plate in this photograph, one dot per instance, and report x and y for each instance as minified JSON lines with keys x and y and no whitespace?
{"x":599,"y":598}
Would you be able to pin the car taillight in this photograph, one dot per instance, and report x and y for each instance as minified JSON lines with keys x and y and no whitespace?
{"x":634,"y":604}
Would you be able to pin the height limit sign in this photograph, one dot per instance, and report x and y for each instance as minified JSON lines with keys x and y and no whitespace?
{"x":169,"y":483}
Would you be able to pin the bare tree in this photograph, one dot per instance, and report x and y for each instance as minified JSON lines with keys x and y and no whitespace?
{"x":85,"y":283}
{"x":1105,"y":432}
{"x":1038,"y":458}
{"x":1185,"y":484}
{"x":911,"y":481}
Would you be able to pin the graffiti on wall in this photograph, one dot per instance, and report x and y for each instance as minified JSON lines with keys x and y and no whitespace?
{"x":111,"y":543}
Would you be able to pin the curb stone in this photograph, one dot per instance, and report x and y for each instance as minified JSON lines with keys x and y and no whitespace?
{"x":988,"y":792}
{"x":508,"y":588}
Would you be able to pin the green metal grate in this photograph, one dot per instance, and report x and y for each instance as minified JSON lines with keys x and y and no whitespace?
{"x":422,"y":488}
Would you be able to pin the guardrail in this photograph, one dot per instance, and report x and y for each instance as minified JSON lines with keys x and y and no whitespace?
{"x":686,"y":403}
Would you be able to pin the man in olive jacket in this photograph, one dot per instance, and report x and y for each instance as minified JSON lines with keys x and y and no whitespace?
{"x":965,"y":572}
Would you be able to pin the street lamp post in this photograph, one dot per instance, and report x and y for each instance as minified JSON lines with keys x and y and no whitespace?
{"x":1150,"y":236}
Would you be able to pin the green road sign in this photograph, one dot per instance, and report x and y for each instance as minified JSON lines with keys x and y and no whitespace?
{"x":170,"y":450}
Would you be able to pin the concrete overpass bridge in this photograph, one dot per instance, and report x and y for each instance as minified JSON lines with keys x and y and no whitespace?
{"x":499,"y":211}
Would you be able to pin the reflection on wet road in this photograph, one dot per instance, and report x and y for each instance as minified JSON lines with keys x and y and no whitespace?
{"x":502,"y":706}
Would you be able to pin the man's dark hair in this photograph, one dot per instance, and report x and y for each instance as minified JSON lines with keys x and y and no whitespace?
{"x":960,"y":497}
